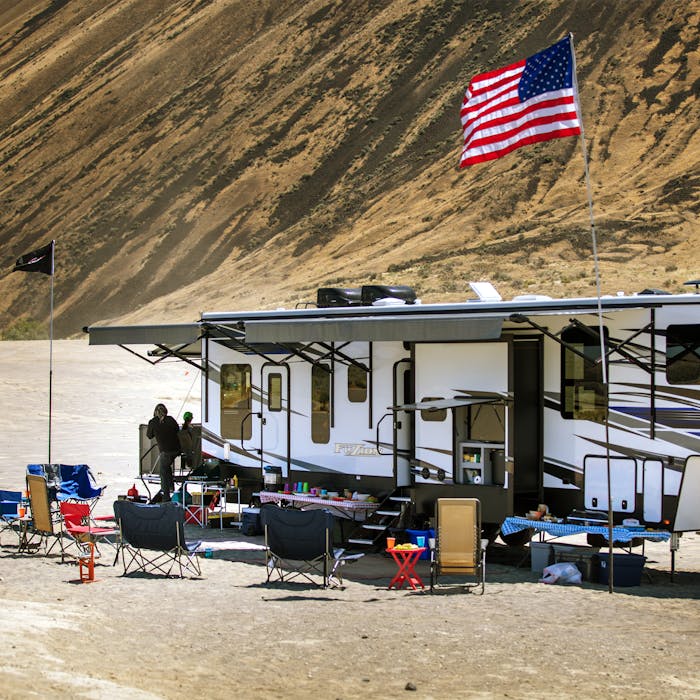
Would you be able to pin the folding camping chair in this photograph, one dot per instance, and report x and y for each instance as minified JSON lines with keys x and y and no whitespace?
{"x":298,"y":543}
{"x":153,"y":539}
{"x":459,"y":548}
{"x":80,"y":531}
{"x":41,"y":524}
{"x":78,"y":484}
{"x":9,"y":503}
{"x":52,"y":474}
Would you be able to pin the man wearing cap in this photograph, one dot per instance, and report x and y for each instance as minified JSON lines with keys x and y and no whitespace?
{"x":165,"y":430}
{"x":186,"y":437}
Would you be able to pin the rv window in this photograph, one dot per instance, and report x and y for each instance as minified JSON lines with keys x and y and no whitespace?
{"x":583,"y":395}
{"x":320,"y":404}
{"x":235,"y":402}
{"x":683,"y":354}
{"x":274,"y":392}
{"x":432,"y":414}
{"x":357,"y":384}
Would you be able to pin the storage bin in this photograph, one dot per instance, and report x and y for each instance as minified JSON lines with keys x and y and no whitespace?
{"x":540,"y":556}
{"x":414,"y":534}
{"x":196,"y":515}
{"x":627,"y":568}
{"x":585,"y":558}
{"x":250,"y":522}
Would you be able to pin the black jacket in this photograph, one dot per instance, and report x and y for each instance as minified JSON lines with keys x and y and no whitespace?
{"x":166,"y":433}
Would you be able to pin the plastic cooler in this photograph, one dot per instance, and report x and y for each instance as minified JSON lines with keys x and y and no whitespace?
{"x":250,"y":522}
{"x":540,"y":556}
{"x":413,"y":536}
{"x":627,"y":568}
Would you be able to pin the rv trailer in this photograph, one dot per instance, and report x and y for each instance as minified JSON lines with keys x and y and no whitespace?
{"x":514,"y":402}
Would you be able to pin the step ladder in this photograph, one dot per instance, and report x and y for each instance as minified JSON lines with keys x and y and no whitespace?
{"x":392,"y":513}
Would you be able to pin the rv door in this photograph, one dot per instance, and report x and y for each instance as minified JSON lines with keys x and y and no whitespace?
{"x":274,"y":429}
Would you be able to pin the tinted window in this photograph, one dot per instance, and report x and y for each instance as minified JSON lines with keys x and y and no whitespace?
{"x":683,"y":354}
{"x":583,"y":394}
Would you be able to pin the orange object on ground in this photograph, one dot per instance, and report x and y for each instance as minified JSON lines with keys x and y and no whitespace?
{"x":87,"y":562}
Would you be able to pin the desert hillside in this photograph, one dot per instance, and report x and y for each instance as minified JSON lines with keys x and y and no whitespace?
{"x":192,"y":155}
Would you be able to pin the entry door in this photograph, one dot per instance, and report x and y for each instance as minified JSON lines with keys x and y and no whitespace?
{"x":528,"y":409}
{"x":404,"y":424}
{"x":653,"y":490}
{"x":274,"y":417}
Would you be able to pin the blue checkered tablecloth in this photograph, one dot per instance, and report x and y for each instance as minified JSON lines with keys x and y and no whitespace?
{"x":620,"y":534}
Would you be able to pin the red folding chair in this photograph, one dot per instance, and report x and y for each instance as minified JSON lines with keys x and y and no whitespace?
{"x":80,"y":529}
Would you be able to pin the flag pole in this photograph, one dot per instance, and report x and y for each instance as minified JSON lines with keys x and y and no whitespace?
{"x":53,"y":247}
{"x":600,"y":317}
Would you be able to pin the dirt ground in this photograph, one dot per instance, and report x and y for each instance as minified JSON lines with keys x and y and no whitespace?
{"x":228,"y":634}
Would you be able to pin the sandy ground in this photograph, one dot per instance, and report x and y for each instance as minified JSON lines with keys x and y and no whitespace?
{"x":229,"y":635}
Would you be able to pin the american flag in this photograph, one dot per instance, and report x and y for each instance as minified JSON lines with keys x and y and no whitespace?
{"x":529,"y":101}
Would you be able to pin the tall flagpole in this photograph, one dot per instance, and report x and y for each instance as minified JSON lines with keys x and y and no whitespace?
{"x":600,"y":320}
{"x":53,"y":247}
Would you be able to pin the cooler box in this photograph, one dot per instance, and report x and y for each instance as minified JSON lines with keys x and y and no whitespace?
{"x":585,"y":558}
{"x":540,"y":556}
{"x":627,"y":568}
{"x":196,"y":515}
{"x":414,"y":534}
{"x":250,"y":522}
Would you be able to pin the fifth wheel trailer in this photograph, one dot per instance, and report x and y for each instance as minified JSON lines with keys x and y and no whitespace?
{"x":514,"y":402}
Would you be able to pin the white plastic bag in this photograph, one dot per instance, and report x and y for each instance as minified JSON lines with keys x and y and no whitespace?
{"x":563,"y":572}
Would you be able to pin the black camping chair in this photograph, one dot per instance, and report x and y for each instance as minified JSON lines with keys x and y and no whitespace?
{"x":298,"y":543}
{"x":153,"y":539}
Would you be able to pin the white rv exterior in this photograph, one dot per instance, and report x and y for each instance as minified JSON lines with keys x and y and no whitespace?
{"x":501,"y":400}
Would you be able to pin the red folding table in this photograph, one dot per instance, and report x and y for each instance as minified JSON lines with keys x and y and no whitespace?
{"x":406,"y":560}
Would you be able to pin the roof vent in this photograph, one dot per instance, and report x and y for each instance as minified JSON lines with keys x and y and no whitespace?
{"x":532,"y":297}
{"x":485,"y":291}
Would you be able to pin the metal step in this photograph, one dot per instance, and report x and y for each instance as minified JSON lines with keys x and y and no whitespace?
{"x":400,"y":499}
{"x":370,"y":526}
{"x":357,"y":540}
{"x":391,"y":513}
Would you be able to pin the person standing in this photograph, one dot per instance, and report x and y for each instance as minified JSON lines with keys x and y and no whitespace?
{"x":164,"y":429}
{"x":186,"y":436}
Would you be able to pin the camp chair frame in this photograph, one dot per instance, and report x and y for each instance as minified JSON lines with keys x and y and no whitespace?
{"x":74,"y":483}
{"x":298,"y":544}
{"x":42,"y":521}
{"x":459,"y":548}
{"x":152,"y":539}
{"x":9,"y":502}
{"x":80,"y":530}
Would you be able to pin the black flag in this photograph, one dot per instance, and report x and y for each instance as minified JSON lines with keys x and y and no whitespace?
{"x":37,"y":261}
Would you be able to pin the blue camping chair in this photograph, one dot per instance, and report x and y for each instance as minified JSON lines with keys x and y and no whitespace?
{"x":78,"y":484}
{"x":51,"y":473}
{"x":68,"y":482}
{"x":9,"y":501}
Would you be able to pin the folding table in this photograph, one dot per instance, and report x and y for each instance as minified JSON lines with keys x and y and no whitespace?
{"x":406,"y":560}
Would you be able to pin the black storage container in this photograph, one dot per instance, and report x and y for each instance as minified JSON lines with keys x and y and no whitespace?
{"x":374,"y":292}
{"x":250,"y":522}
{"x":327,"y":297}
{"x":627,"y":568}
